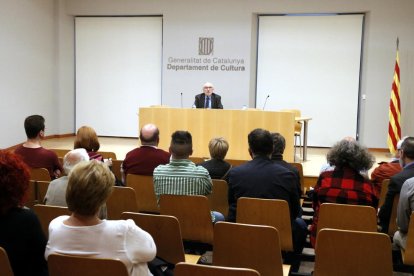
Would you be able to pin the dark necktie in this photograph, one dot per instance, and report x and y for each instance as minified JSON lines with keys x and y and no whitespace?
{"x":207,"y":102}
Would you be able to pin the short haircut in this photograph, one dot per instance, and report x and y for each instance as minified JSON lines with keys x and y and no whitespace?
{"x":260,"y":142}
{"x":218,"y":148}
{"x":89,"y":186}
{"x":33,"y":125}
{"x":86,"y":138}
{"x":407,"y":147}
{"x":181,"y":144}
{"x":74,"y":157}
{"x":350,"y":153}
{"x":151,"y":140}
{"x":279,"y":143}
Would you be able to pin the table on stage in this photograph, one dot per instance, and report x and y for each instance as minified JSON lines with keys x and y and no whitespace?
{"x":233,"y":125}
{"x":305,"y":121}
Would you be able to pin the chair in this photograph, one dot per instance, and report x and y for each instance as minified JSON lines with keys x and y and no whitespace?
{"x":31,"y":195}
{"x":5,"y":267}
{"x":183,"y":269}
{"x":193,"y":213}
{"x":301,"y":177}
{"x":250,"y":246}
{"x":235,"y":162}
{"x":60,"y":152}
{"x":65,"y":265}
{"x":218,"y":197}
{"x":42,"y":187}
{"x":116,"y":168}
{"x":41,"y":174}
{"x":165,"y":230}
{"x":347,"y":217}
{"x":197,"y":160}
{"x":408,"y":253}
{"x":357,"y":253}
{"x":392,"y":226}
{"x":384,"y":190}
{"x":122,"y":199}
{"x":107,"y":154}
{"x":46,"y":213}
{"x":271,"y":212}
{"x":298,"y":127}
{"x":144,"y":190}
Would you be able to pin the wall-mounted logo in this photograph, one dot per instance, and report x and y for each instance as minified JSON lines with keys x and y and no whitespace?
{"x":205,"y":46}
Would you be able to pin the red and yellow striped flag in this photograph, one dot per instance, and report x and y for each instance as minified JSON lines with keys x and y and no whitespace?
{"x":394,"y":126}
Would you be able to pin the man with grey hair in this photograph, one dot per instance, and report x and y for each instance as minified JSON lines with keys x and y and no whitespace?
{"x":208,"y":99}
{"x":56,"y":192}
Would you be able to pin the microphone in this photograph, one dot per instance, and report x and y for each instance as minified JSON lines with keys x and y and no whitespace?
{"x":265,"y":101}
{"x":181,"y":99}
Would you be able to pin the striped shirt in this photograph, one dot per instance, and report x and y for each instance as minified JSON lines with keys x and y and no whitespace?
{"x":181,"y":177}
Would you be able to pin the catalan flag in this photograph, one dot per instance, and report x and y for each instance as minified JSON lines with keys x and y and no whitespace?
{"x":394,"y":125}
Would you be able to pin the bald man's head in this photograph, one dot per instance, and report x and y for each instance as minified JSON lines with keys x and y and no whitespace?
{"x":149,"y":135}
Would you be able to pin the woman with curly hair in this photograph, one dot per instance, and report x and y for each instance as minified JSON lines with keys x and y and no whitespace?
{"x":344,"y":183}
{"x":20,"y":232}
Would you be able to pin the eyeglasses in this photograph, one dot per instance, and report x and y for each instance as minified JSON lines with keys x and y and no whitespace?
{"x":207,"y":87}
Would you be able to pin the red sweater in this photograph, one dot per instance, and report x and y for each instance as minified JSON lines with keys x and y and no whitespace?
{"x":144,"y":160}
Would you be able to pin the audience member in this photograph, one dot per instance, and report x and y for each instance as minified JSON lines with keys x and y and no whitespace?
{"x":86,"y":138}
{"x":20,"y":233}
{"x":405,"y":208}
{"x":216,"y":166}
{"x":387,"y":169}
{"x":145,"y":159}
{"x":32,"y":152}
{"x":344,"y":184}
{"x":262,"y":178}
{"x":396,"y":182}
{"x":84,"y":234}
{"x":181,"y":176}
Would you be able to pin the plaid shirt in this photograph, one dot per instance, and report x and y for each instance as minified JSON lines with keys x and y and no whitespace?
{"x":344,"y":186}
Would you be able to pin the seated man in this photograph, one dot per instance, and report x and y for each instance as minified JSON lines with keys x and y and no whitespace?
{"x":145,"y":159}
{"x":32,"y":152}
{"x":181,"y":176}
{"x":262,"y":178}
{"x":208,"y":99}
{"x":405,"y":208}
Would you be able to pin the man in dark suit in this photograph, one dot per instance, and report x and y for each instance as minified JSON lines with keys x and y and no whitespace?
{"x":396,"y":182}
{"x":208,"y":99}
{"x":262,"y":178}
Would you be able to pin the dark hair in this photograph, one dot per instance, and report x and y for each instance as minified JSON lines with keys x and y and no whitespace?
{"x":181,"y":144}
{"x":33,"y":125}
{"x":350,"y":153}
{"x":279,"y":143}
{"x":260,"y":142}
{"x":150,"y":140}
{"x":14,"y":181}
{"x":408,"y":147}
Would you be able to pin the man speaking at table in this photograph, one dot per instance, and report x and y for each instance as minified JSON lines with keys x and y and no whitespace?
{"x":208,"y":99}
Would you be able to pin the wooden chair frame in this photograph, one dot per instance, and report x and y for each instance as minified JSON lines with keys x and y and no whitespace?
{"x":143,"y":186}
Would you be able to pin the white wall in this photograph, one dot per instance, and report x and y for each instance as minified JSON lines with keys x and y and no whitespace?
{"x":232,"y":22}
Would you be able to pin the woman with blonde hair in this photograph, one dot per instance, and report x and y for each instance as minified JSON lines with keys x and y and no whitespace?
{"x":84,"y":234}
{"x":216,"y":166}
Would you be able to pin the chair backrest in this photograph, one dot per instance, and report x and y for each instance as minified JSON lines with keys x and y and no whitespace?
{"x":271,"y":212}
{"x":122,"y":199}
{"x":392,"y":227}
{"x":41,"y":174}
{"x":357,"y":253}
{"x":408,"y":253}
{"x":196,"y":160}
{"x":42,"y":187}
{"x":144,"y":190}
{"x":193,"y":213}
{"x":184,"y":269}
{"x":235,"y":162}
{"x":107,"y":154}
{"x":218,"y":197}
{"x":60,"y":152}
{"x":5,"y":268}
{"x":65,"y":265}
{"x":297,"y":112}
{"x":347,"y":217}
{"x":384,"y":190}
{"x":46,"y":213}
{"x":165,"y":230}
{"x":31,"y":195}
{"x":250,"y":246}
{"x":301,"y":177}
{"x":116,"y":168}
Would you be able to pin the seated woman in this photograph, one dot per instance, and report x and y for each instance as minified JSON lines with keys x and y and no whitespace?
{"x":344,"y":183}
{"x":83,"y":233}
{"x":86,"y":138}
{"x":20,"y":233}
{"x":216,"y":166}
